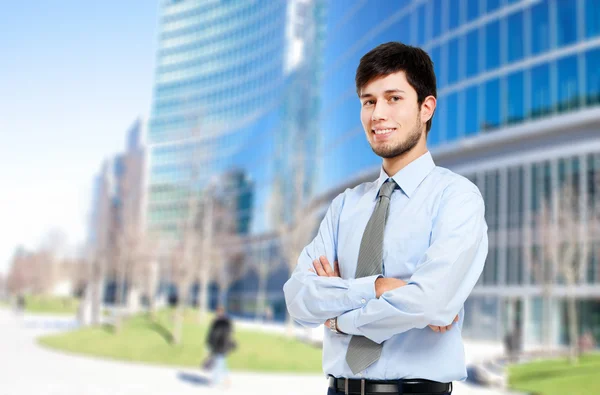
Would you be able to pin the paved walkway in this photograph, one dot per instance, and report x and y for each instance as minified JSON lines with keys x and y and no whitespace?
{"x":27,"y":368}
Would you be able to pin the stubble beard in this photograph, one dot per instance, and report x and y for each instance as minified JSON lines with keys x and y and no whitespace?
{"x":389,"y":151}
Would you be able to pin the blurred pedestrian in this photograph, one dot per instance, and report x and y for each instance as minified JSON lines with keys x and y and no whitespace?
{"x":220,"y":342}
{"x":394,"y":259}
{"x":268,"y":314}
{"x":20,"y":304}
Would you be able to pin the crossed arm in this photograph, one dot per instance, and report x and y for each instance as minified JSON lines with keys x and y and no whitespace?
{"x":379,"y":308}
{"x":383,"y":284}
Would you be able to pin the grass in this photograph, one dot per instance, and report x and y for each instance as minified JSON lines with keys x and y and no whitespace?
{"x":558,"y":376}
{"x":143,"y":340}
{"x":44,"y":304}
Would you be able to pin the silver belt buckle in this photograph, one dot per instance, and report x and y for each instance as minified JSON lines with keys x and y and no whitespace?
{"x":362,"y":386}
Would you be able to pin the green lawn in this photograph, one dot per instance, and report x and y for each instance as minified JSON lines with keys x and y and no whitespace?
{"x":558,"y":376}
{"x":142,"y":340}
{"x":51,"y":304}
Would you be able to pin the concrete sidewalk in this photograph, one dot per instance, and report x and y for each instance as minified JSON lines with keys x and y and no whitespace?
{"x":26,"y":368}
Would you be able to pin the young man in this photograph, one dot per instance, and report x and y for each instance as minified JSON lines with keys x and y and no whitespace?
{"x":394,"y":259}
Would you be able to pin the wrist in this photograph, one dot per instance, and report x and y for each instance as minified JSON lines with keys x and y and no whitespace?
{"x":332,"y":324}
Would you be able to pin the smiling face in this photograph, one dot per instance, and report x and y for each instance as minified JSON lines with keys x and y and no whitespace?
{"x":391,"y":116}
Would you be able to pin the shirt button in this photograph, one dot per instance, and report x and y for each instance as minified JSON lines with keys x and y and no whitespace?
{"x":363,"y":301}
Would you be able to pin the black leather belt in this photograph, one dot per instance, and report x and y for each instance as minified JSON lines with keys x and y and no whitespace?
{"x":405,"y":386}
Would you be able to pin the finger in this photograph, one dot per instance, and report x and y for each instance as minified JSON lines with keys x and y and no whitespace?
{"x":456,"y":319}
{"x":448,"y":327}
{"x":336,"y":269}
{"x":312,"y":270}
{"x":434,"y":328}
{"x":319,"y":268}
{"x":326,"y":266}
{"x":443,"y":329}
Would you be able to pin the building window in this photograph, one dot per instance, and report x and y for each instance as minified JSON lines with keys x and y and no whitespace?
{"x":492,"y":193}
{"x":471,"y":111}
{"x":566,"y":18}
{"x":490,"y":272}
{"x":515,"y":37}
{"x":535,"y":190}
{"x":592,"y":72}
{"x":452,"y":117}
{"x":438,"y":125}
{"x":514,"y":266}
{"x":436,"y":28}
{"x":436,"y":58}
{"x":540,"y":35}
{"x":492,"y":105}
{"x":472,"y":53}
{"x":515,"y":185}
{"x":568,"y":84}
{"x":514,"y":98}
{"x":421,"y":21}
{"x":492,"y":41}
{"x":472,"y":10}
{"x":454,"y":13}
{"x":540,"y":91}
{"x":453,"y":57}
{"x":592,"y":18}
{"x":492,"y":5}
{"x":433,"y":137}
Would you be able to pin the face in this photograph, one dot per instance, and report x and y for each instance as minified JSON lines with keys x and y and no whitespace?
{"x":391,"y":116}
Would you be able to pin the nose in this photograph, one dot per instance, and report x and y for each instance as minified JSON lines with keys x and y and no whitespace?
{"x":379,"y":112}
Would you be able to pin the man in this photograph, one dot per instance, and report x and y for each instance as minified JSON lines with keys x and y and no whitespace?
{"x":395,"y":259}
{"x":221,"y":343}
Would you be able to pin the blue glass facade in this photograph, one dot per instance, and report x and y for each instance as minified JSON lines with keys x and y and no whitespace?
{"x":515,"y":78}
{"x":498,"y":63}
{"x":518,"y":114}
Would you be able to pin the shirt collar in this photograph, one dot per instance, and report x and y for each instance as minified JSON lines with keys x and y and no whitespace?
{"x":411,"y":176}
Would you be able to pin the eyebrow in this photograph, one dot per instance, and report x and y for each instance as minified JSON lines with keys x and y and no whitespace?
{"x":364,"y":95}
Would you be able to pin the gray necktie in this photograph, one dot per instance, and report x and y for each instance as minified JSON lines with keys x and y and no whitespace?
{"x":363,"y":352}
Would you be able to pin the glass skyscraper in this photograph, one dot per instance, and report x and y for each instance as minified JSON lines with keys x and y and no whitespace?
{"x":518,"y":113}
{"x":217,"y":95}
{"x":233,"y":79}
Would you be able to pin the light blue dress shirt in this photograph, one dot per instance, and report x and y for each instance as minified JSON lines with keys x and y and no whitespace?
{"x":435,"y":239}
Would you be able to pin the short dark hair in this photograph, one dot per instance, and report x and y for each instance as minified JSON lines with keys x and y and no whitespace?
{"x":393,"y":57}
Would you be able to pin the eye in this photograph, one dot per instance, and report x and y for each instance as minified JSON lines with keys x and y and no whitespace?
{"x":395,"y":98}
{"x":367,"y":103}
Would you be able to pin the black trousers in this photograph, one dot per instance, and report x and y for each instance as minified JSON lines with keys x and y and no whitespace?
{"x":331,"y":391}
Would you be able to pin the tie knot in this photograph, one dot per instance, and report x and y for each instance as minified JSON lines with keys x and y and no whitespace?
{"x":387,"y":188}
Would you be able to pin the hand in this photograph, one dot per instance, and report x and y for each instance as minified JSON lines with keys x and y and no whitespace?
{"x":323,"y":268}
{"x":384,"y":284}
{"x":443,"y":329}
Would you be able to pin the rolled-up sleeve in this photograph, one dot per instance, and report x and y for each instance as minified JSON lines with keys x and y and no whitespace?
{"x":311,"y":299}
{"x":444,"y":278}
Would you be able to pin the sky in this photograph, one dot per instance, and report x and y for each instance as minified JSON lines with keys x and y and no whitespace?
{"x":74,"y":76}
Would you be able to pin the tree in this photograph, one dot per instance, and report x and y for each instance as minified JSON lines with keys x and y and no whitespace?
{"x":186,"y":250}
{"x":565,"y":234}
{"x":228,"y":254}
{"x":296,"y":234}
{"x":261,"y":259}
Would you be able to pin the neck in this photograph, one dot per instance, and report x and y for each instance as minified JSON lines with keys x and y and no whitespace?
{"x":393,"y":165}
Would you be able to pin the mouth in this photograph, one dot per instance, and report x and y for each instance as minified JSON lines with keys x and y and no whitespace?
{"x":382,"y":134}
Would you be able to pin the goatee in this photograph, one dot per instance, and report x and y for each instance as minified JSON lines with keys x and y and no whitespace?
{"x":389,"y":151}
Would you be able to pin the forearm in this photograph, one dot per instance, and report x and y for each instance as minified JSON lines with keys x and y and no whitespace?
{"x":433,"y":296}
{"x":311,"y":299}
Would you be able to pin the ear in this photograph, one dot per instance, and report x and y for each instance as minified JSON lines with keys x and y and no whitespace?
{"x":427,"y":108}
